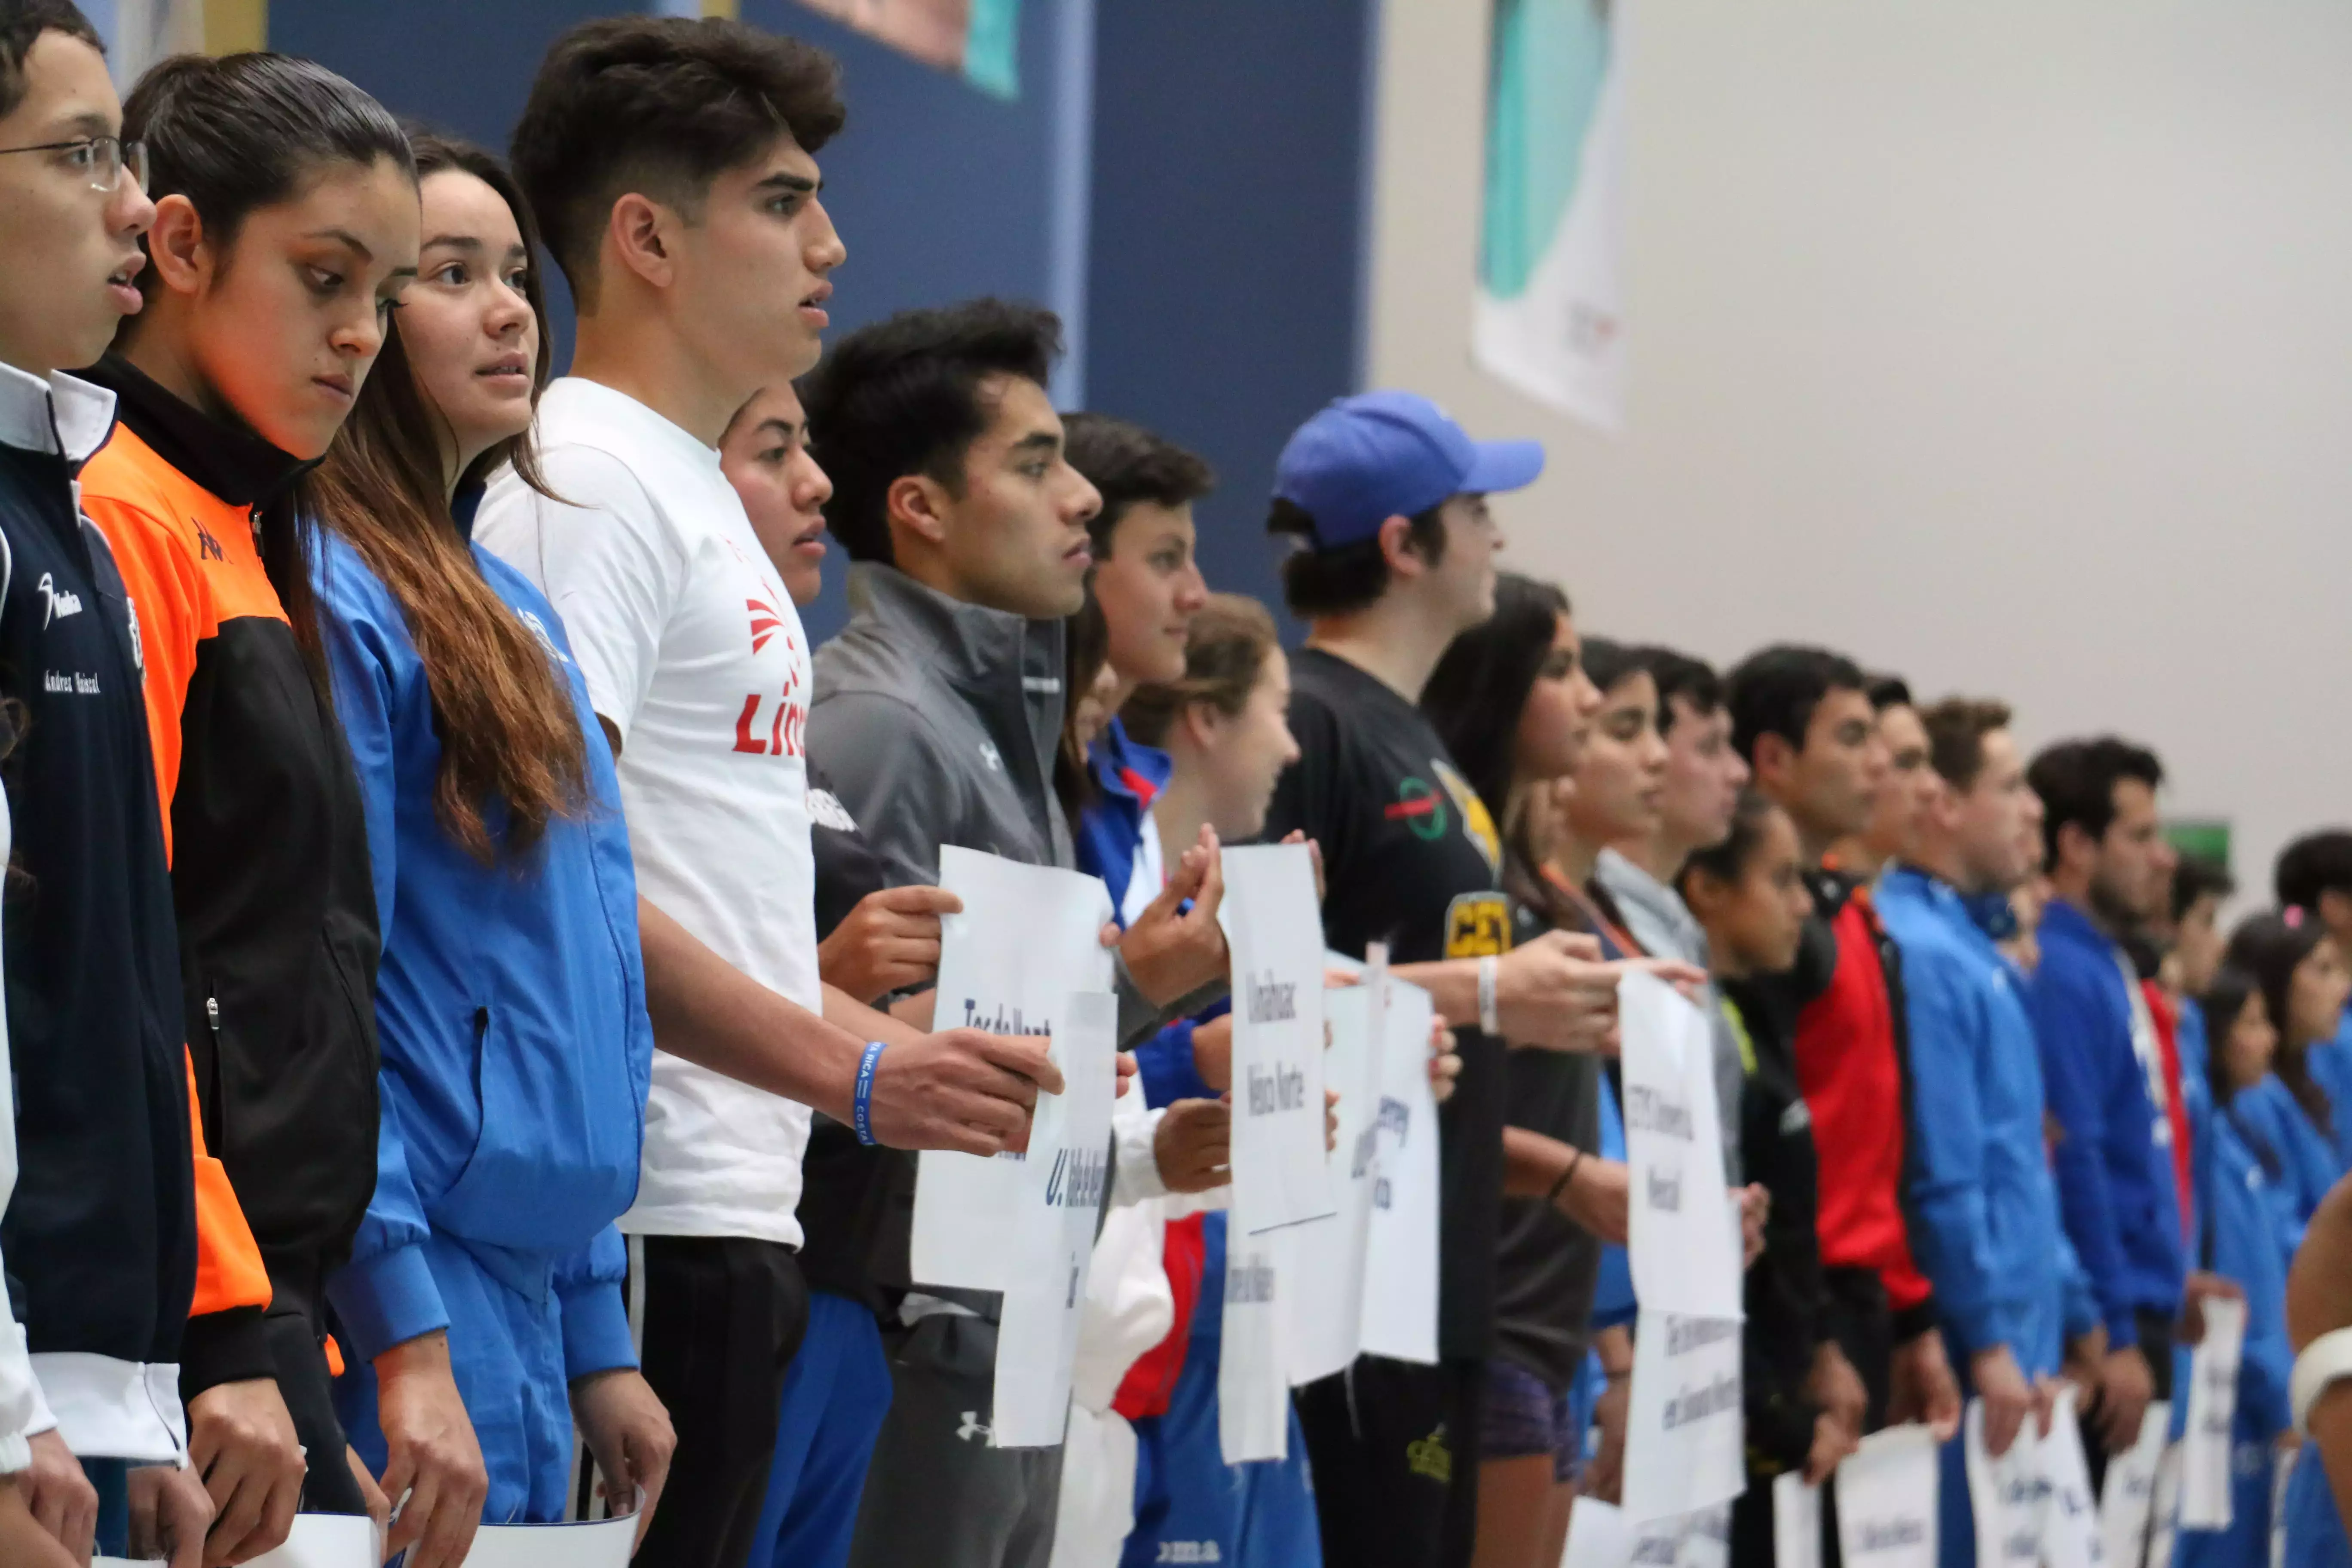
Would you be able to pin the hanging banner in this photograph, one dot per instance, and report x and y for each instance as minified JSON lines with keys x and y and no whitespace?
{"x":2126,"y":1501}
{"x":1327,"y":1310}
{"x":1063,"y":1184}
{"x":1401,"y":1238}
{"x":1686,"y":1244}
{"x":1888,"y":1493}
{"x":977,"y":39}
{"x":1548,"y":318}
{"x":2005,"y":1495}
{"x":1796,"y":1522}
{"x":1684,"y":1432}
{"x":1027,"y":939}
{"x":1274,"y":924}
{"x":2206,"y":1484}
{"x":2070,"y":1517}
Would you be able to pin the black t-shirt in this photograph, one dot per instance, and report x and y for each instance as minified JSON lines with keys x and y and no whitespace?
{"x":1546,"y":1266}
{"x":846,"y":1187}
{"x":1411,"y":858}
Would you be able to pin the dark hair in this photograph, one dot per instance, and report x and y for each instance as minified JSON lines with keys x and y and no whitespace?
{"x":1340,"y":579}
{"x":1774,"y":691}
{"x":2076,"y":780}
{"x":1128,"y":465}
{"x":1679,"y":675}
{"x":2195,"y":877}
{"x":1612,"y":664}
{"x":22,"y":23}
{"x":1727,"y":862}
{"x":1886,"y":691}
{"x":2224,"y":1001}
{"x":234,"y":135}
{"x":504,"y":717}
{"x":1956,"y":728}
{"x":1476,"y":694}
{"x":662,"y":105}
{"x":2314,"y":864}
{"x":1225,"y":655}
{"x":1086,"y":644}
{"x":2271,"y":948}
{"x":907,"y":395}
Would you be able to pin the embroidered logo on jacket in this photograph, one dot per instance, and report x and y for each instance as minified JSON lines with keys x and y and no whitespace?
{"x":58,"y":602}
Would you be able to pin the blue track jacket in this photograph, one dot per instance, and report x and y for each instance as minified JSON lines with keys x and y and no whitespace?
{"x":2300,"y":1164}
{"x":511,"y":1004}
{"x":2115,"y":1176}
{"x":1981,"y":1179}
{"x":2331,"y":1068}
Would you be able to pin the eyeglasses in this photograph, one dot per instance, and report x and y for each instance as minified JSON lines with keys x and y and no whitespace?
{"x":103,"y":158}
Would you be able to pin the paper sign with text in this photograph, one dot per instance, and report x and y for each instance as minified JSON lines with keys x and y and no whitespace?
{"x":1326,"y":1327}
{"x":2127,"y":1498}
{"x":1796,"y":1522}
{"x":1252,"y":1365}
{"x":1063,"y":1184}
{"x":1028,"y":937}
{"x":1599,"y":1536}
{"x":1887,"y":1499}
{"x":1684,"y":1432}
{"x":1274,"y":925}
{"x":1684,"y":1252}
{"x":2206,"y":1485}
{"x":1401,"y":1241}
{"x":2004,"y":1494}
{"x":2070,"y":1515}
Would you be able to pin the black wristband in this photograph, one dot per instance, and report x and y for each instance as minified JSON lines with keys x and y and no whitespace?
{"x":1559,"y":1186}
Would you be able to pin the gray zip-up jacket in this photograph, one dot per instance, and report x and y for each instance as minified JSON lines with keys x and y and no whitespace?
{"x":1657,"y":918}
{"x":937,"y":722}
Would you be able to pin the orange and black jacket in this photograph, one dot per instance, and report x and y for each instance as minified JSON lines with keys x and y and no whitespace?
{"x":268,"y":846}
{"x":121,"y":1223}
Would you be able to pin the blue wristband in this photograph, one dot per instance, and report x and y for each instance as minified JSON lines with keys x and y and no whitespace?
{"x":862,"y":1104}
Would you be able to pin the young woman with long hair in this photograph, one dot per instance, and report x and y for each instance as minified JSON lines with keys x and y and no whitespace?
{"x":286,"y":223}
{"x":1515,"y":707}
{"x":483,"y":1296}
{"x":2301,"y":977}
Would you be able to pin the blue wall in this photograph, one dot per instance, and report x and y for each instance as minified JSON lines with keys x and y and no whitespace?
{"x":1230,"y":221}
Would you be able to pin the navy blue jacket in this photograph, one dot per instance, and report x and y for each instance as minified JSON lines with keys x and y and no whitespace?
{"x":510,"y":1007}
{"x":2115,"y":1172}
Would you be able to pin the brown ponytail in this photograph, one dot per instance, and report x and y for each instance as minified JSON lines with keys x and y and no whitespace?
{"x":1224,"y":656}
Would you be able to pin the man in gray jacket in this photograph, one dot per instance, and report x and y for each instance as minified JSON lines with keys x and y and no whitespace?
{"x":1705,"y":774}
{"x":938,"y":715}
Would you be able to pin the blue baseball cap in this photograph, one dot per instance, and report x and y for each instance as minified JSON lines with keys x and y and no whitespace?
{"x":1381,"y":455}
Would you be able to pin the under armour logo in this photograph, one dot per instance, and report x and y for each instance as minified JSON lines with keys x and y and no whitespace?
{"x":973,"y":1429}
{"x":59,"y":604}
{"x":988,"y":753}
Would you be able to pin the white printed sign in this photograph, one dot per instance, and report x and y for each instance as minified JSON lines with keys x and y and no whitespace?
{"x":2205,"y":1480}
{"x":1599,"y":1536}
{"x":1274,"y":925}
{"x":604,"y":1543}
{"x":1889,"y":1490}
{"x":1028,"y":937}
{"x":2070,"y":1518}
{"x":1063,"y":1184}
{"x":1685,"y":1447}
{"x":2126,"y":1500}
{"x":1685,"y":1249}
{"x":1796,"y":1522}
{"x":317,"y":1540}
{"x":1326,"y":1328}
{"x":2005,"y":1495}
{"x":1700,"y":1540}
{"x":1253,"y":1390}
{"x":1401,"y":1243}
{"x":2164,"y":1512}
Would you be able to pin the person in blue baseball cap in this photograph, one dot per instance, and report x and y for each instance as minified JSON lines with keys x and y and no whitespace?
{"x":1386,"y":499}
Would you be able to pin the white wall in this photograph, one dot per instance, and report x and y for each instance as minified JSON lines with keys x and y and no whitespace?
{"x":2008,"y":345}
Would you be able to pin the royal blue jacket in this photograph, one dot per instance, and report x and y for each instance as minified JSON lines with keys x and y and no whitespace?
{"x":2300,"y":1164}
{"x":1981,"y":1177}
{"x":2331,"y":1068}
{"x":2244,"y":1243}
{"x":2115,"y":1174}
{"x":511,"y":1005}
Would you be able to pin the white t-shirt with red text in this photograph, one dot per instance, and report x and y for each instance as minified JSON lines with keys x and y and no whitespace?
{"x":693,"y":651}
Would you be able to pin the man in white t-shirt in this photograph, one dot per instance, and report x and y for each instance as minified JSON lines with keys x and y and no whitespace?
{"x":671,"y":164}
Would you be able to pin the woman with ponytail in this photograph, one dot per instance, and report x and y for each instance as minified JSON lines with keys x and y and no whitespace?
{"x":483,"y":1298}
{"x":285,"y":225}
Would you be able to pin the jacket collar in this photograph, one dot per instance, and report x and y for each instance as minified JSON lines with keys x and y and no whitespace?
{"x":1127,"y":768}
{"x":228,"y":461}
{"x":2064,"y":920}
{"x":60,"y":416}
{"x":990,"y":656}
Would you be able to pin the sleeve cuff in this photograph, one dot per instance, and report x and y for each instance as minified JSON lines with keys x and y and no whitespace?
{"x":595,"y":1330}
{"x":1136,"y":1173}
{"x":385,"y":1301}
{"x":224,"y":1347}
